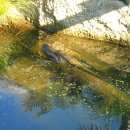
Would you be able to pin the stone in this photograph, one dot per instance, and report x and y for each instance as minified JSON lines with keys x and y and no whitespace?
{"x":96,"y":19}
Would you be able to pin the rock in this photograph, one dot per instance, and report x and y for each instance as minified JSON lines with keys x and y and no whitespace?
{"x":97,"y":19}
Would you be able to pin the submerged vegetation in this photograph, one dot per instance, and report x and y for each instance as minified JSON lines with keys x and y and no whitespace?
{"x":14,"y":37}
{"x":16,"y":32}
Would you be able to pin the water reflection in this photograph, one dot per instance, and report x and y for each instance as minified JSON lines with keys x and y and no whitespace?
{"x":63,"y":109}
{"x":85,"y":86}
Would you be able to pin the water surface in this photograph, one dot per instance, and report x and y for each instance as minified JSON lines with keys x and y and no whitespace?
{"x":91,"y":92}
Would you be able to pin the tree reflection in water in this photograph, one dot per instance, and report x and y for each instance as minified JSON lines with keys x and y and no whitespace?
{"x":63,"y":93}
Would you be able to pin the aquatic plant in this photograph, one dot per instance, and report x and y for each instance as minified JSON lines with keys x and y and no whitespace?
{"x":15,"y":36}
{"x":63,"y":94}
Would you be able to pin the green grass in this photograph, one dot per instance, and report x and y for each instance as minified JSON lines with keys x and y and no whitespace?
{"x":4,"y":6}
{"x":29,"y":10}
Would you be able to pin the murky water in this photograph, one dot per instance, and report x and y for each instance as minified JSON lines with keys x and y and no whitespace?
{"x":91,"y":92}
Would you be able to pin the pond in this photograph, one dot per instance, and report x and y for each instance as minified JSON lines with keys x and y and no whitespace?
{"x":17,"y":113}
{"x":90,"y":92}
